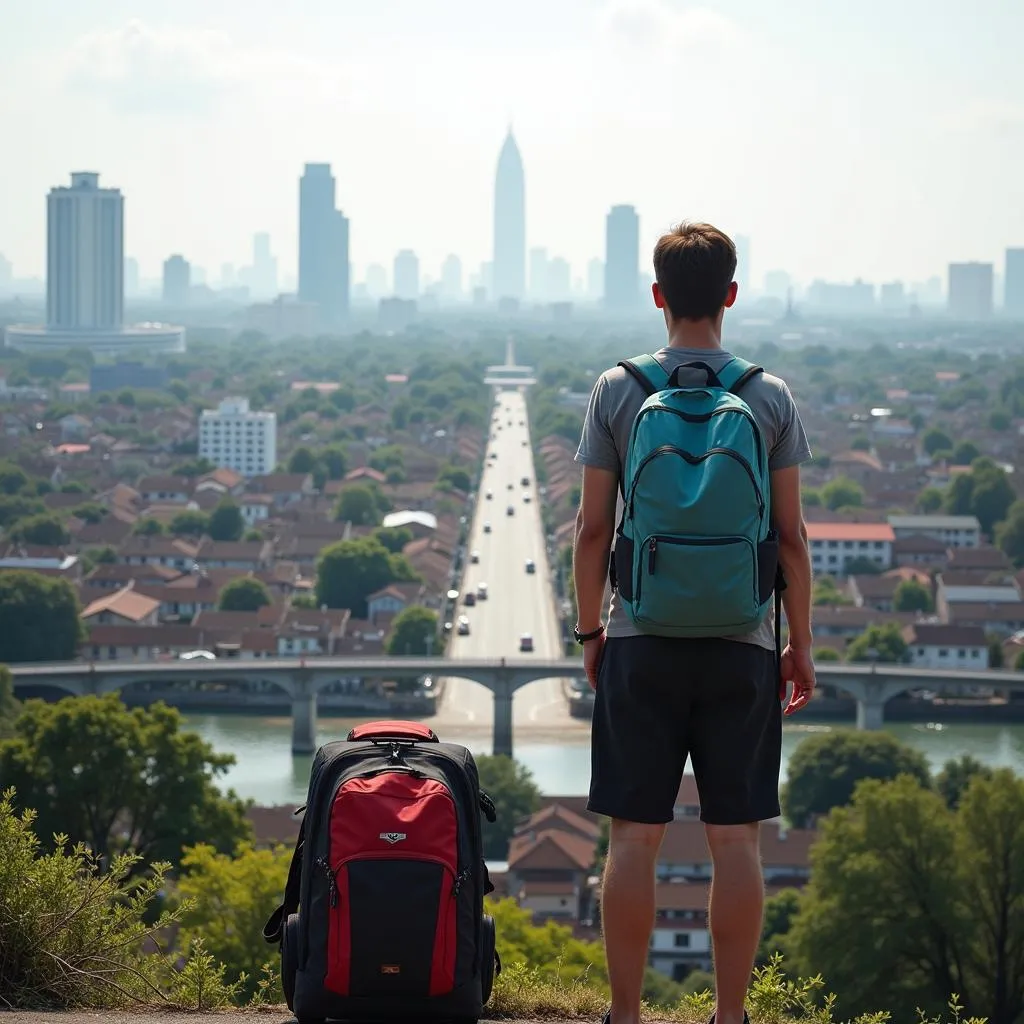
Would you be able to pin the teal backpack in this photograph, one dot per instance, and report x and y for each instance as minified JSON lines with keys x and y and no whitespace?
{"x":695,"y":555}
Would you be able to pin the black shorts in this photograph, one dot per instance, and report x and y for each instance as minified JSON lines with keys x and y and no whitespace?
{"x":660,"y":699}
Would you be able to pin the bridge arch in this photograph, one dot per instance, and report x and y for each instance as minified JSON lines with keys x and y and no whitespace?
{"x":48,"y":691}
{"x":207,"y":682}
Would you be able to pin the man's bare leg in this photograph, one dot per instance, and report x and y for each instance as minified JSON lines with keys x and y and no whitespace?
{"x":737,"y":906}
{"x":627,"y":912}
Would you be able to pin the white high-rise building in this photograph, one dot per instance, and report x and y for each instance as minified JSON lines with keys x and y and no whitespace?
{"x":85,"y":255}
{"x":233,"y":437}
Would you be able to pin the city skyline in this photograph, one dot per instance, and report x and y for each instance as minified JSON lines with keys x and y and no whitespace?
{"x":811,"y":138}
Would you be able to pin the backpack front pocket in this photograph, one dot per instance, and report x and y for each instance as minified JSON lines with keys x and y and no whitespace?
{"x":679,"y":583}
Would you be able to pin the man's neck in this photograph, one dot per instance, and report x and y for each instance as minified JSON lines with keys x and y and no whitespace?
{"x":688,"y":334}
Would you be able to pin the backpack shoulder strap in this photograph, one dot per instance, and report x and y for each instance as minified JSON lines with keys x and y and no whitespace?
{"x":736,"y":373}
{"x":647,"y":372}
{"x":273,"y":930}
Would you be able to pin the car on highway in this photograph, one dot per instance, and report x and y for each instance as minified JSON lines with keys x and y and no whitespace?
{"x":470,"y":599}
{"x":490,"y":495}
{"x":474,"y":557}
{"x":526,"y":643}
{"x":487,"y":527}
{"x":523,"y":443}
{"x":511,"y":510}
{"x":481,"y":592}
{"x":526,"y":497}
{"x":525,"y":482}
{"x":448,"y":627}
{"x":511,"y":486}
{"x":197,"y":656}
{"x":531,"y":566}
{"x":463,"y":626}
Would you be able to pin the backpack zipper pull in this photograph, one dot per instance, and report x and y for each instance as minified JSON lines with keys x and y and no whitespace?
{"x":651,"y":552}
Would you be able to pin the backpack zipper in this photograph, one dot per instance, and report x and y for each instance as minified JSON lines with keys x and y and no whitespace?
{"x":695,"y":460}
{"x":332,"y":884}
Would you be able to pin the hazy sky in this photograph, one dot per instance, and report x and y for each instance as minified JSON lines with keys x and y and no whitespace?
{"x":874,"y":138}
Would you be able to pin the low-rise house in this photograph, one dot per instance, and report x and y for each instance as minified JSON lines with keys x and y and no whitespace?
{"x":920,"y":551}
{"x":873,"y":590}
{"x":979,"y":586}
{"x":983,"y":558}
{"x":123,"y":607}
{"x":139,"y":643}
{"x":250,"y":556}
{"x":937,"y":645}
{"x":144,"y":550}
{"x":1000,"y":618}
{"x":163,"y":489}
{"x":46,"y":563}
{"x":394,"y":598}
{"x":953,"y":531}
{"x":284,"y":489}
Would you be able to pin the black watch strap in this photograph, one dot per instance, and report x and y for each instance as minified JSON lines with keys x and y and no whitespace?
{"x":582,"y":638}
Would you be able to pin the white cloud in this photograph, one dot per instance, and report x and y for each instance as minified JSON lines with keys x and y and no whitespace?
{"x":142,"y":68}
{"x":662,"y":28}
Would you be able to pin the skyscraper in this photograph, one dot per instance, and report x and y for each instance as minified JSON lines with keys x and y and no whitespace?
{"x":264,"y":267}
{"x":407,"y":275}
{"x":971,"y":288}
{"x":177,"y":280}
{"x":509,"y":224}
{"x":85,"y":255}
{"x":622,"y":259}
{"x":451,"y":278}
{"x":323,"y":245}
{"x":1013,"y":302}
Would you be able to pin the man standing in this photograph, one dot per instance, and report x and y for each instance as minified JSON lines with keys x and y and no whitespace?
{"x":665,"y":694}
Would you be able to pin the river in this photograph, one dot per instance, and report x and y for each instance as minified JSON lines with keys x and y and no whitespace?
{"x":266,"y":770}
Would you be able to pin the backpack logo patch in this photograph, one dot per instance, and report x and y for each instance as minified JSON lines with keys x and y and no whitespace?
{"x":392,"y":837}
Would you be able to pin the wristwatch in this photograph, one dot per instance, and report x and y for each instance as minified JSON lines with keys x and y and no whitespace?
{"x":582,"y":638}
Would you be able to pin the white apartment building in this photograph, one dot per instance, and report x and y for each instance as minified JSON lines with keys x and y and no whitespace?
{"x":234,"y":437}
{"x":953,"y":531}
{"x":833,"y":545}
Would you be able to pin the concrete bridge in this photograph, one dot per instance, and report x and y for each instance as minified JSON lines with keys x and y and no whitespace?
{"x":509,"y":374}
{"x":871,"y":686}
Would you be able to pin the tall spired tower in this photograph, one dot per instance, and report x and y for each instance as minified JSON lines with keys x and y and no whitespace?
{"x":509,"y":223}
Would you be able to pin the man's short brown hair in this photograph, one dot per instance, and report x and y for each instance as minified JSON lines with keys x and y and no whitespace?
{"x":694,"y":265}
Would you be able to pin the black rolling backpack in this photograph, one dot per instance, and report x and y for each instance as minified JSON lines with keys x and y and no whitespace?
{"x":383,"y":913}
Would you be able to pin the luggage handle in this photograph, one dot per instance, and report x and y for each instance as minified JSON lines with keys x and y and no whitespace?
{"x":408,"y":732}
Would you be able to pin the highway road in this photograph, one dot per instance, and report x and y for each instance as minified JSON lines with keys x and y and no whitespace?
{"x":518,"y":602}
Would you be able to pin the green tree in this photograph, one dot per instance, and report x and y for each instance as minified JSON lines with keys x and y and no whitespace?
{"x":44,"y":530}
{"x":302,"y":460}
{"x":226,"y":522}
{"x":394,"y":538}
{"x":861,"y":443}
{"x":985,"y":492}
{"x":38,"y":618}
{"x":9,"y":706}
{"x":414,"y":631}
{"x":912,"y":596}
{"x":930,"y":500}
{"x":882,"y":643}
{"x":12,"y":478}
{"x":827,"y":592}
{"x":999,"y":419}
{"x":965,"y":453}
{"x":89,"y":512}
{"x":1010,"y":534}
{"x":936,"y":440}
{"x":245,"y":594}
{"x":18,"y":506}
{"x":334,"y":460}
{"x":952,"y":781}
{"x":350,"y":570}
{"x":119,"y":779}
{"x":909,"y":901}
{"x":146,"y":526}
{"x":359,"y":506}
{"x":191,"y":523}
{"x":230,"y":894}
{"x":454,"y":478}
{"x":842,"y":492}
{"x":516,"y":796}
{"x":779,"y":912}
{"x":825,"y":769}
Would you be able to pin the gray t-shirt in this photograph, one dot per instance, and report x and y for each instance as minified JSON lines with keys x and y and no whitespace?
{"x":616,"y":400}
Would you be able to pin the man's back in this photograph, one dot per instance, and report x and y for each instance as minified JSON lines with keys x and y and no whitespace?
{"x":617,"y":399}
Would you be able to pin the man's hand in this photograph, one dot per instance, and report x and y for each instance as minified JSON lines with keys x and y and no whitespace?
{"x":592,"y":651}
{"x":798,"y":669}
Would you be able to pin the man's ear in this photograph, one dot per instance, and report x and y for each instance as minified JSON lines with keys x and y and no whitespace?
{"x":730,"y":295}
{"x":659,"y":299}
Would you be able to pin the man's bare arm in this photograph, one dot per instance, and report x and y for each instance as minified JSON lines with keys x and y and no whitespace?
{"x":788,"y":520}
{"x":595,"y":529}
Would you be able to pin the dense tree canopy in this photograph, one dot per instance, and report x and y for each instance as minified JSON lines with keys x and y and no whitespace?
{"x":510,"y":785}
{"x":349,"y":571}
{"x":226,"y":522}
{"x":414,"y":632}
{"x":45,"y":530}
{"x":245,"y":594}
{"x":881,"y":643}
{"x":39,"y":618}
{"x":825,"y":768}
{"x":909,"y":901}
{"x":119,"y":779}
